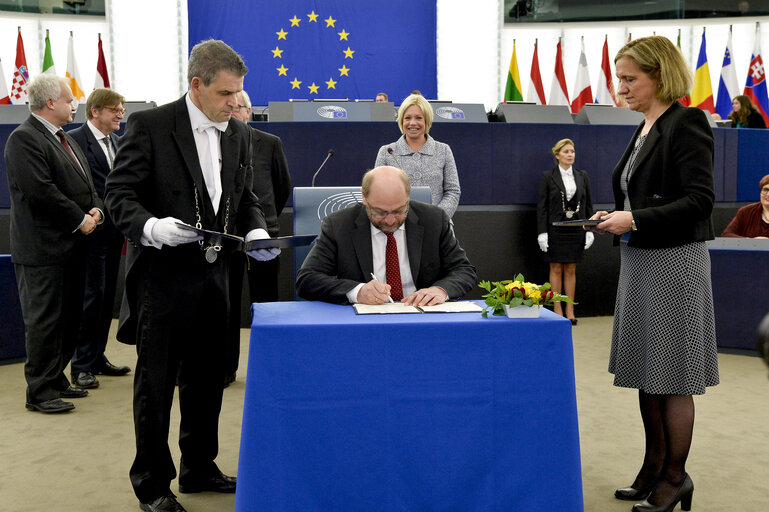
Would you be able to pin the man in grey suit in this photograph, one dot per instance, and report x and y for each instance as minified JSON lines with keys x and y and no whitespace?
{"x":96,"y":137}
{"x":385,"y":234}
{"x":54,"y":206}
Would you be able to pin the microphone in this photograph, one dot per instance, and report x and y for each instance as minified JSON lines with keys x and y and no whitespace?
{"x":329,"y":155}
{"x":397,"y":160}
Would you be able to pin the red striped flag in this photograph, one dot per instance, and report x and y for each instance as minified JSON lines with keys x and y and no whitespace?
{"x":536,"y":92}
{"x":102,"y":79}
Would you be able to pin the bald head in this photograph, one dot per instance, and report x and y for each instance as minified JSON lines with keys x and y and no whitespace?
{"x":386,"y":196}
{"x":386,"y":180}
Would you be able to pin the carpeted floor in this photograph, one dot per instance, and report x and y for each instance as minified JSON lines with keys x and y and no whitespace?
{"x":79,"y":461}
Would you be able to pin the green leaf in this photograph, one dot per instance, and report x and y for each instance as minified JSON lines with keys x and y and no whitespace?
{"x":520,"y":278}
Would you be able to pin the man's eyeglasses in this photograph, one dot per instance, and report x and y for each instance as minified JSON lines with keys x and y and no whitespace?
{"x":765,"y":191}
{"x":116,"y":110}
{"x":381,"y":214}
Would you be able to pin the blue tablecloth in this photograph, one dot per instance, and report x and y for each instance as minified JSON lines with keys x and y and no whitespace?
{"x":408,"y":412}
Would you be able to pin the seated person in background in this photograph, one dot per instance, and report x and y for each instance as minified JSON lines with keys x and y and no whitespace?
{"x":358,"y":242}
{"x":745,"y":114}
{"x":382,"y":98}
{"x":752,"y":221}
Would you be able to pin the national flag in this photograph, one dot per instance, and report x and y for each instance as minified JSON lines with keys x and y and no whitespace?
{"x":513,"y":90}
{"x":605,"y":87}
{"x":5,"y":99}
{"x":728,"y":86}
{"x":558,"y":93}
{"x":48,"y":67}
{"x":20,"y":74}
{"x":536,"y":91}
{"x":582,"y":90}
{"x":755,"y":86}
{"x":73,"y":75}
{"x":102,"y":79}
{"x":702,"y":94}
{"x":306,"y":49}
{"x":686,"y":100}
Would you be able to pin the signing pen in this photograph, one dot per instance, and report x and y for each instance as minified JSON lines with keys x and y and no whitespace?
{"x":375,"y":279}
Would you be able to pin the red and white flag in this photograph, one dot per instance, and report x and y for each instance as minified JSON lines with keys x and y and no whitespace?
{"x":102,"y":79}
{"x":605,"y":88}
{"x":536,"y":92}
{"x":582,"y":90}
{"x":4,"y":98}
{"x":559,"y":95}
{"x":20,"y":74}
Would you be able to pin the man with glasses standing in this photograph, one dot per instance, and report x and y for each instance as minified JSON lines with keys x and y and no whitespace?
{"x":97,"y":138}
{"x":387,"y":247}
{"x":54,"y":206}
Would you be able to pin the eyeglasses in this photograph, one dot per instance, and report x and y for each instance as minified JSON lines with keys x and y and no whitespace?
{"x":381,"y":214}
{"x":765,"y":191}
{"x":116,"y":110}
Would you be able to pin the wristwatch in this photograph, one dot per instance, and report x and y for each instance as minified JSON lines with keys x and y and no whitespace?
{"x":632,"y":225}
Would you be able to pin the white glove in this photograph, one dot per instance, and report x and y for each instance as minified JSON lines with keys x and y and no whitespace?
{"x":261,"y":254}
{"x":589,"y":237}
{"x":166,"y":232}
{"x":542,"y":241}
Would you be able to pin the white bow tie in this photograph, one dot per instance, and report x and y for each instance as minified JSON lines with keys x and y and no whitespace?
{"x":222,"y":127}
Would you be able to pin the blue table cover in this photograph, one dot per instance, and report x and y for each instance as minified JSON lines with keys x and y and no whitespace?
{"x":408,"y":412}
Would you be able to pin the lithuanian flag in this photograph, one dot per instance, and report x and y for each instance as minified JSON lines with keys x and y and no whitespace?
{"x":513,"y":90}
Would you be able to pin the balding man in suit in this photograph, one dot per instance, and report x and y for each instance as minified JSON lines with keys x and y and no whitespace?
{"x":54,"y":206}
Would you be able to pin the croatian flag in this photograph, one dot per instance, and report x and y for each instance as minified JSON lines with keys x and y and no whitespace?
{"x":755,"y":86}
{"x":728,"y":87}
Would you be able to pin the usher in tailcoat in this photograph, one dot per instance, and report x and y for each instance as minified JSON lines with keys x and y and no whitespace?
{"x":550,"y":188}
{"x":342,"y":256}
{"x":671,"y":202}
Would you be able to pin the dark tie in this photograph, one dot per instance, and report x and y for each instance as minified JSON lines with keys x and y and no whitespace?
{"x":108,"y":145}
{"x":392,"y":268}
{"x":64,"y":143}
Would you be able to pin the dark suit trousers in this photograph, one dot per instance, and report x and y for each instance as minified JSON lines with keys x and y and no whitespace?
{"x":182,"y":315}
{"x":51,"y":299}
{"x":103,"y":262}
{"x":263,"y":287}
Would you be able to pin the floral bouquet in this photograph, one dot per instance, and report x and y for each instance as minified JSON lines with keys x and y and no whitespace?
{"x":518,"y":293}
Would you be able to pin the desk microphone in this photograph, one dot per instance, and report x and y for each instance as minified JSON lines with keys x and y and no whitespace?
{"x":397,"y":160}
{"x":329,"y":155}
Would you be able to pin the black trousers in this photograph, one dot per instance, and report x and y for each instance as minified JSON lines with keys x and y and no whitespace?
{"x":262,"y":286}
{"x":51,"y":299}
{"x":102,"y":265}
{"x":182,"y":315}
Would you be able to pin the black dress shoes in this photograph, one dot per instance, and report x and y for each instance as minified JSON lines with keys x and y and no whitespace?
{"x":229,"y":378}
{"x":71,"y":392}
{"x":165,"y":503}
{"x":109,"y":369}
{"x":633,"y":494}
{"x":85,"y":380}
{"x":52,"y":405}
{"x":216,"y":483}
{"x":683,"y":495}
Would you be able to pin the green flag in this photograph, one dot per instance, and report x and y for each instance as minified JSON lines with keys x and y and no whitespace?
{"x":513,"y":90}
{"x":48,"y":58}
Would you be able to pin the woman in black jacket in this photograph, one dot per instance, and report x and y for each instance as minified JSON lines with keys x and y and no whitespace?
{"x":564,"y":194}
{"x":663,"y":341}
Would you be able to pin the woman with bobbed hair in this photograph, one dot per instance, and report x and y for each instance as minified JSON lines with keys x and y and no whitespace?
{"x":752,"y":221}
{"x":745,"y":114}
{"x":425,"y":161}
{"x":564,"y":194}
{"x":663,"y":341}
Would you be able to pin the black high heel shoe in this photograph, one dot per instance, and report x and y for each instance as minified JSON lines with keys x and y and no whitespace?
{"x":633,"y":494}
{"x":684,"y":496}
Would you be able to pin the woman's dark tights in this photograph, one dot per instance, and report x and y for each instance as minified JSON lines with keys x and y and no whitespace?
{"x":668,"y":423}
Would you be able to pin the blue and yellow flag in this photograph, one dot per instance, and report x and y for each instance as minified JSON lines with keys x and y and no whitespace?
{"x":308,"y":49}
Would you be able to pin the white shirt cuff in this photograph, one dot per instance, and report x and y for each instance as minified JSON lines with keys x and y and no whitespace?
{"x":352,"y":295}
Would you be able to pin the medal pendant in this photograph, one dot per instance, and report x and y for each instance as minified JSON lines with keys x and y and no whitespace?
{"x":569,"y":214}
{"x":211,"y":254}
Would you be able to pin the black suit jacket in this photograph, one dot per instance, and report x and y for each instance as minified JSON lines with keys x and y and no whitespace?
{"x":342,"y":256}
{"x":155,"y":175}
{"x":549,"y":205}
{"x":50,"y":195}
{"x":94,"y":152}
{"x":272,"y":183}
{"x":671,"y":188}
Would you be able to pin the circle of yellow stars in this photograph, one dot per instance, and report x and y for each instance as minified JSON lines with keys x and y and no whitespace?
{"x":277,"y":53}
